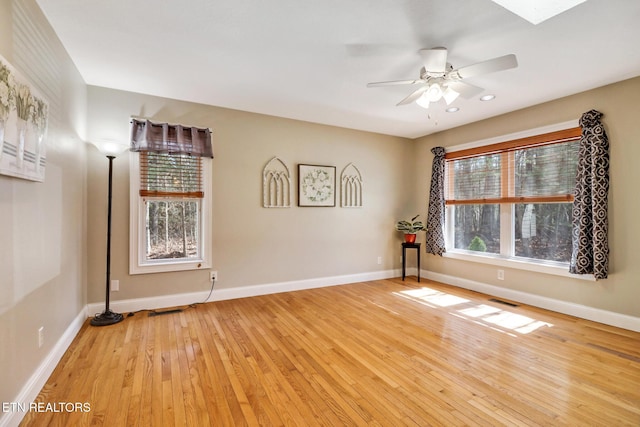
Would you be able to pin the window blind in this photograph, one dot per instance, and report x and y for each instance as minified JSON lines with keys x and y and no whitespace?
{"x":170,"y":175}
{"x":538,"y":169}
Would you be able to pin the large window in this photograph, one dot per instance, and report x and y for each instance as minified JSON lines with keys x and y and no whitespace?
{"x":513,"y":199}
{"x":170,"y":199}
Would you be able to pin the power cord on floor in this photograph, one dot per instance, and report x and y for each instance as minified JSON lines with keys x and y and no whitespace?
{"x":153,"y":312}
{"x":193,"y":305}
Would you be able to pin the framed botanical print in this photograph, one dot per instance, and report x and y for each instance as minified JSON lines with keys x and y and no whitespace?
{"x":316,"y":185}
{"x":24,"y":115}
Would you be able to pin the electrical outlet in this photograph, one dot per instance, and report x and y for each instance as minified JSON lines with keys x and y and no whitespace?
{"x":40,"y":336}
{"x":500,"y":274}
{"x":379,"y":260}
{"x":115,"y":285}
{"x":213,"y":276}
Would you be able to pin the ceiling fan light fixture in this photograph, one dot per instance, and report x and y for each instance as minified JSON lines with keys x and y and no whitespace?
{"x":434,"y":93}
{"x":450,"y":95}
{"x":423,"y":101}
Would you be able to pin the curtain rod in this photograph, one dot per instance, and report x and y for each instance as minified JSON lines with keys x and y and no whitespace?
{"x":170,"y":124}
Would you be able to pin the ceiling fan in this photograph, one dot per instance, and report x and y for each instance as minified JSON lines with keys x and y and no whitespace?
{"x":438,"y":79}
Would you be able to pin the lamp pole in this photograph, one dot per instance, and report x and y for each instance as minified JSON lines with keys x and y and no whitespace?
{"x":108,"y":317}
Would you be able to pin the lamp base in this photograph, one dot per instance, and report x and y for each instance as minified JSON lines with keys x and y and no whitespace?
{"x":107,"y":317}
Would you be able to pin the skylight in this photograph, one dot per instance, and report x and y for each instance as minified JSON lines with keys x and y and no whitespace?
{"x":536,"y":11}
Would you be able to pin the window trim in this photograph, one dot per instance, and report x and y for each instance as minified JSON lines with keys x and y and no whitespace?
{"x":548,"y":267}
{"x":137,"y":229}
{"x":506,"y":232}
{"x":513,"y":136}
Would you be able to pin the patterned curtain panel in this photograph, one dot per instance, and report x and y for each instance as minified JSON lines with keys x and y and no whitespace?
{"x":435,"y":215}
{"x":590,"y":254}
{"x":168,"y":138}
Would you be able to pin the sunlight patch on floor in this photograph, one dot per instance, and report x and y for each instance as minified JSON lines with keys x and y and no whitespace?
{"x":480,"y":310}
{"x":486,"y":315}
{"x":434,"y":297}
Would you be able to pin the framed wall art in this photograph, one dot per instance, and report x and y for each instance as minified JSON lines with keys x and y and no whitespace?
{"x":316,"y":185}
{"x":23,"y":126}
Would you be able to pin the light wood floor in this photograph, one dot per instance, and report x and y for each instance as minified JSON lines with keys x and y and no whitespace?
{"x":387,"y":353}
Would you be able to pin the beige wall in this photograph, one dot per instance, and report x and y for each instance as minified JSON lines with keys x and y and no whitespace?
{"x":52,"y":234}
{"x":253,"y":245}
{"x":619,"y":103}
{"x":42,"y":225}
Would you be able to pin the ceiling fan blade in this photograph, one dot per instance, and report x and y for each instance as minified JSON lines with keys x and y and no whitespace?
{"x":395,"y":82}
{"x":413,"y":96}
{"x":434,"y":60}
{"x":465,"y":89}
{"x":491,"y":66}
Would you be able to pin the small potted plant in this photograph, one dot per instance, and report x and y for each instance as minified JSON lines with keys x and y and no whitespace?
{"x":410,"y":228}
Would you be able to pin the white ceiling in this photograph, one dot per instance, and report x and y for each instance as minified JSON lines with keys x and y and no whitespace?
{"x":311,"y":60}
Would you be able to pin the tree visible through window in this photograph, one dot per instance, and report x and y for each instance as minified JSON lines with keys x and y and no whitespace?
{"x":172,"y":229}
{"x":171,"y":187}
{"x":514,"y":199}
{"x":477,"y":228}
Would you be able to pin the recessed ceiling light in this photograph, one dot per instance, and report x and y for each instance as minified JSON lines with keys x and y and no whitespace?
{"x":452,"y":110}
{"x":487,"y":97}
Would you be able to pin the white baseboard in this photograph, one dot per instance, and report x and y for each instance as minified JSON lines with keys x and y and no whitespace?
{"x":582,"y":311}
{"x":40,"y":376}
{"x":165,"y":301}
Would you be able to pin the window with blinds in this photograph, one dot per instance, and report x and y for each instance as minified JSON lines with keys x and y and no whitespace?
{"x":538,"y":169}
{"x":170,"y":175}
{"x":514,"y":198}
{"x":170,"y":197}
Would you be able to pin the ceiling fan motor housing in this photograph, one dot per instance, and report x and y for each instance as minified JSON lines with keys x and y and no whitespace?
{"x":425,"y":74}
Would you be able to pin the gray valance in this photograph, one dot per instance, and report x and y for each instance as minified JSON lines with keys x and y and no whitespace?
{"x":170,"y":138}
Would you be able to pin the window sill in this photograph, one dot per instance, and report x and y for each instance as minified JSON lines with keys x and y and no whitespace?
{"x":553,"y":268}
{"x":165,"y":267}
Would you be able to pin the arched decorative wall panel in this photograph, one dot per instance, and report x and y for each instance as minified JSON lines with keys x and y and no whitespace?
{"x":276,"y":184}
{"x":351,"y":187}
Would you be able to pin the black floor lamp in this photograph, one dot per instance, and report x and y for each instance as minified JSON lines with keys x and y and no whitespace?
{"x":107,"y":317}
